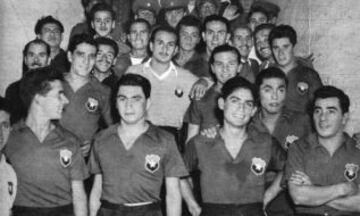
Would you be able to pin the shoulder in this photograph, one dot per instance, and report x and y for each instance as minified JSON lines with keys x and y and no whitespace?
{"x":100,"y":87}
{"x":135,"y":69}
{"x":186,"y":75}
{"x":68,"y":135}
{"x":105,"y":134}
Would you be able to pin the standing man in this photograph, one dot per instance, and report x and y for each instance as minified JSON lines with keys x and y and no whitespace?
{"x":322,"y":170}
{"x":303,"y":81}
{"x":46,"y":157}
{"x":130,"y":160}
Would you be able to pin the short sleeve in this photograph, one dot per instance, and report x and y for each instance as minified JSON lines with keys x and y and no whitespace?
{"x":173,"y":163}
{"x":194,"y":114}
{"x":295,"y":161}
{"x":78,"y":169}
{"x":94,"y":163}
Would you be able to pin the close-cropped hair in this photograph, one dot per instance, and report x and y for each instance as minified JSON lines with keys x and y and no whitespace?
{"x":258,"y":9}
{"x":216,"y":18}
{"x":332,"y":92}
{"x":139,"y":20}
{"x":263,"y":26}
{"x":221,"y":49}
{"x":5,"y":105}
{"x":189,"y":21}
{"x":236,"y":83}
{"x":102,"y":7}
{"x":135,"y":80}
{"x":283,"y":31}
{"x":109,"y":42}
{"x":81,"y":38}
{"x":269,"y":73}
{"x":36,"y":41}
{"x":164,"y":28}
{"x":46,"y":20}
{"x":240,"y":26}
{"x":37,"y":81}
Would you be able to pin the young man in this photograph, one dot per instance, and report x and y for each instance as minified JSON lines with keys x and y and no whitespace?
{"x":203,"y":113}
{"x":51,"y":31}
{"x":257,"y":15}
{"x":171,"y":84}
{"x":233,"y":164}
{"x":207,"y":8}
{"x":46,"y":157}
{"x":130,"y":160}
{"x":147,"y":10}
{"x":303,"y":81}
{"x":138,"y":36}
{"x":89,"y":99}
{"x":8,"y":180}
{"x":36,"y":54}
{"x":243,"y":41}
{"x":262,"y":46}
{"x":283,"y":124}
{"x":322,"y":170}
{"x":175,"y":10}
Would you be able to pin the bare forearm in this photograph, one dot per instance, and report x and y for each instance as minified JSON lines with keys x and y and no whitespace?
{"x":173,"y":204}
{"x":349,"y":203}
{"x":274,"y":188}
{"x":95,"y":195}
{"x":79,"y":200}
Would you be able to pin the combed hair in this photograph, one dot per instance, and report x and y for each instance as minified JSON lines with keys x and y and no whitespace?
{"x":5,"y":105}
{"x":191,"y":21}
{"x":107,"y":41}
{"x":238,"y":83}
{"x":102,"y":7}
{"x":258,"y":9}
{"x":139,"y":20}
{"x":271,"y":72}
{"x":164,"y":28}
{"x":135,"y":80}
{"x":80,"y":38}
{"x":329,"y":92}
{"x":45,"y":20}
{"x":283,"y":31}
{"x":223,"y":48}
{"x":214,"y":18}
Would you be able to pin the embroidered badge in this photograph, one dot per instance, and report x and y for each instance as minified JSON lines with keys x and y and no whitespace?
{"x":351,"y":171}
{"x":92,"y":104}
{"x":258,"y":166}
{"x":65,"y":157}
{"x":10,"y":188}
{"x":179,"y":92}
{"x":289,"y":140}
{"x":302,"y":88}
{"x":152,"y":162}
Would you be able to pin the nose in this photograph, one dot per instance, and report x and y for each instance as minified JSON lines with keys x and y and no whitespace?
{"x":274,"y":95}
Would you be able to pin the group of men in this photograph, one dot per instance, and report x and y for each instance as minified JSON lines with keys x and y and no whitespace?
{"x":178,"y":110}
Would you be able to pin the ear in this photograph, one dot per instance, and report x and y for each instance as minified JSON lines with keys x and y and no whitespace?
{"x":212,"y":69}
{"x":114,"y":61}
{"x":345,"y":118}
{"x":227,"y":37}
{"x":151,"y":46}
{"x":203,"y":36}
{"x":69,"y":56}
{"x":254,"y":111}
{"x":176,"y":50}
{"x":92,"y":25}
{"x":221,"y":103}
{"x":113,"y":24}
{"x":148,"y":104}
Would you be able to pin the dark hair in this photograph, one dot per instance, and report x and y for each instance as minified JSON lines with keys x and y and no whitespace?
{"x":329,"y":92}
{"x":107,"y":41}
{"x":263,"y":26}
{"x":216,"y":18}
{"x":36,"y":41}
{"x":189,"y":20}
{"x":164,"y":28}
{"x":223,"y":48}
{"x":258,"y":9}
{"x":45,"y":20}
{"x":5,"y":105}
{"x":240,"y":26}
{"x":81,"y":38}
{"x":139,"y":20}
{"x":37,"y":81}
{"x":102,"y":7}
{"x":238,"y":83}
{"x":271,"y":72}
{"x":135,"y":80}
{"x":283,"y":31}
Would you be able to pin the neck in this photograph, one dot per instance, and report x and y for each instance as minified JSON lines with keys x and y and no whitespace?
{"x":218,"y":86}
{"x":288,"y":67}
{"x":333,"y":143}
{"x":159,"y":67}
{"x":229,"y":131}
{"x":54,"y":51}
{"x":139,"y":53}
{"x":208,"y":53}
{"x":133,"y":129}
{"x":38,"y":122}
{"x":269,"y":117}
{"x":101,"y":75}
{"x":75,"y":78}
{"x":184,"y":56}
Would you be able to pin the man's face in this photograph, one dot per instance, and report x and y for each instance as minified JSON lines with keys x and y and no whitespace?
{"x":272,"y":95}
{"x":328,"y":118}
{"x":246,"y":4}
{"x":146,"y":15}
{"x":164,"y":47}
{"x":51,"y":34}
{"x":105,"y":58}
{"x":256,"y":19}
{"x":131,"y":104}
{"x":238,"y":108}
{"x":207,"y":9}
{"x":53,"y":102}
{"x":283,"y":51}
{"x":225,"y":66}
{"x":82,"y":59}
{"x":36,"y":56}
{"x":262,"y":44}
{"x":215,"y":35}
{"x":243,"y":42}
{"x":103,"y":23}
{"x":174,"y":16}
{"x":189,"y":37}
{"x":4,"y":128}
{"x":139,"y":36}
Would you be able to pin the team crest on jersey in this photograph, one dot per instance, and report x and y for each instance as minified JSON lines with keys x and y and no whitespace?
{"x":10,"y":188}
{"x":289,"y":140}
{"x":351,"y":171}
{"x":302,"y":87}
{"x":92,"y":104}
{"x":152,"y":162}
{"x":258,"y":166}
{"x":65,"y":157}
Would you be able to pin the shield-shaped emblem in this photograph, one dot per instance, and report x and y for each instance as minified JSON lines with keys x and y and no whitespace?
{"x":351,"y":171}
{"x":302,"y":88}
{"x":289,"y":140}
{"x":92,"y":104}
{"x":258,"y":166}
{"x":65,"y":157}
{"x":10,"y":188}
{"x":152,"y":162}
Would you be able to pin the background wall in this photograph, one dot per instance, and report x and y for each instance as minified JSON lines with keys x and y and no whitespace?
{"x":328,"y":29}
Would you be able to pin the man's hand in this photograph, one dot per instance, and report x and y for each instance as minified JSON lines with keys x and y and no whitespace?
{"x":194,"y":209}
{"x":198,"y":89}
{"x":231,"y":12}
{"x":300,"y":178}
{"x":350,"y":188}
{"x":210,"y":132}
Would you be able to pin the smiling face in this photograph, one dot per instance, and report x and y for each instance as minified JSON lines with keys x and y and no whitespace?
{"x":82,"y":59}
{"x":242,"y":40}
{"x":103,"y":23}
{"x":105,"y":58}
{"x":139,"y":36}
{"x":51,"y":34}
{"x":262,"y":44}
{"x":225,"y":66}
